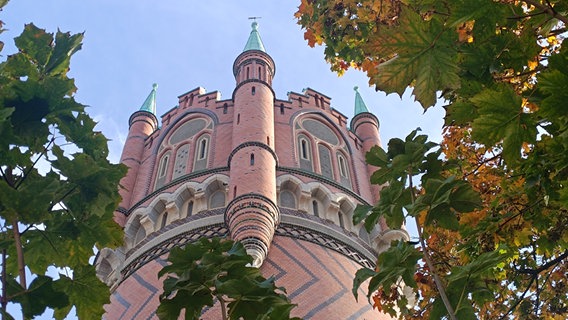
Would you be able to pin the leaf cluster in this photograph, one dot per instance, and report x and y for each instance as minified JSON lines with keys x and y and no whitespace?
{"x":501,"y":68}
{"x":57,"y":189}
{"x":218,"y":270}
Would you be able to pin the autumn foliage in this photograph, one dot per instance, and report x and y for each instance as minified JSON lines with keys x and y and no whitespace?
{"x":490,"y":200}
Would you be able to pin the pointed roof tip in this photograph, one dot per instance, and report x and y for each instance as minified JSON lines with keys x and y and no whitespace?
{"x":360,"y":106}
{"x":149,"y":104}
{"x":254,"y":41}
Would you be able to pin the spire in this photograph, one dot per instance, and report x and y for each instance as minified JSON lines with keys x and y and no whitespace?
{"x":254,"y":42}
{"x":360,"y":106}
{"x":149,"y":104}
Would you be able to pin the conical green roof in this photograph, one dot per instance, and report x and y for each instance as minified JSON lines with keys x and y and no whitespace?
{"x":360,"y":106}
{"x":149,"y":104}
{"x":254,"y":42}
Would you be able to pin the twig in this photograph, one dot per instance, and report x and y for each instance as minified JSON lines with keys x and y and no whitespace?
{"x":548,"y":9}
{"x":428,"y":261}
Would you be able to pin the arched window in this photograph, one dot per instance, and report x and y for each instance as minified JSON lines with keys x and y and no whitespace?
{"x":259,"y":74}
{"x":281,"y":108}
{"x":202,"y":149}
{"x":253,"y":91}
{"x":344,"y":178}
{"x":164,"y":220}
{"x":140,"y":235}
{"x":164,"y":165}
{"x":340,"y":217}
{"x":225,"y":107}
{"x":217,"y":200}
{"x":315,"y":208}
{"x":305,"y":153}
{"x":325,"y":161}
{"x":342,"y":166}
{"x":190,"y":208}
{"x":304,"y":149}
{"x":248,"y":73}
{"x":201,"y":153}
{"x":252,"y":159}
{"x":287,"y":199}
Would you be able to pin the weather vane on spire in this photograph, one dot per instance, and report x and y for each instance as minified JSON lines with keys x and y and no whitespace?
{"x":254,"y":18}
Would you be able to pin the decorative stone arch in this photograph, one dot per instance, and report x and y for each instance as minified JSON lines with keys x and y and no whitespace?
{"x":185,"y":194}
{"x":137,"y":228}
{"x":160,"y":209}
{"x":296,"y":188}
{"x":107,"y":264}
{"x":215,"y":191}
{"x":346,"y":208}
{"x":321,"y":196}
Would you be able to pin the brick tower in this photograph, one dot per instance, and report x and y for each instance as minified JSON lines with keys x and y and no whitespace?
{"x":282,"y":176}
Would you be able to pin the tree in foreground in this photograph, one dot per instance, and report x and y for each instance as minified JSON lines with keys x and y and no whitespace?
{"x":491,"y":206}
{"x":58,"y":191}
{"x":218,"y":271}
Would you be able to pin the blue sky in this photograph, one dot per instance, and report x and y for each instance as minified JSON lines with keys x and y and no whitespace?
{"x":182,"y":45}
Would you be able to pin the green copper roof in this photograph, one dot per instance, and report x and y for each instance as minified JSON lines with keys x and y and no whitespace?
{"x":360,"y":106}
{"x":254,"y":42}
{"x":150,"y":102}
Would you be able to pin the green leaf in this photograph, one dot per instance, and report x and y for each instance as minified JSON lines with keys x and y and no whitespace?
{"x":85,"y":291}
{"x":361,"y":276}
{"x":501,"y":118}
{"x":35,"y":43}
{"x":360,"y":213}
{"x":424,"y":58}
{"x":41,"y":294}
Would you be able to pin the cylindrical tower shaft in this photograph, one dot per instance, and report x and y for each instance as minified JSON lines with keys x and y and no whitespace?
{"x":252,"y":214}
{"x":142,"y":124}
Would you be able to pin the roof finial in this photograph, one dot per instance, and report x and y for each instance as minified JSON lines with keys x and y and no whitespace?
{"x":360,"y":106}
{"x":149,"y":104}
{"x":254,"y":42}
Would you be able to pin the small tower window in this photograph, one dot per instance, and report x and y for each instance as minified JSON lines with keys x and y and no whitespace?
{"x":342,"y":167}
{"x":340,"y":217}
{"x":259,"y":74}
{"x":202,"y":149}
{"x":315,"y":208}
{"x":253,"y":91}
{"x":234,"y":192}
{"x":225,"y":108}
{"x":252,"y":159}
{"x":268,"y":140}
{"x":238,"y":118}
{"x":164,"y":165}
{"x":191,"y":99}
{"x":281,"y":108}
{"x":317,"y":100}
{"x":164,"y":220}
{"x":190,"y":208}
{"x":304,"y":149}
{"x":248,"y":73}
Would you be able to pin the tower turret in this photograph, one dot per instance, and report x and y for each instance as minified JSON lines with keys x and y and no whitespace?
{"x":366,"y":126}
{"x":142,"y":124}
{"x":252,"y":214}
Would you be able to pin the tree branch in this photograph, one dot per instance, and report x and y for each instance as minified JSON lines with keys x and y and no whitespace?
{"x":20,"y":254}
{"x":4,"y":298}
{"x":544,"y":266}
{"x":548,"y":9}
{"x":431,"y":266}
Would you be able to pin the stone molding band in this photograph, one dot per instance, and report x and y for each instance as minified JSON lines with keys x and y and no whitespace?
{"x":304,"y":233}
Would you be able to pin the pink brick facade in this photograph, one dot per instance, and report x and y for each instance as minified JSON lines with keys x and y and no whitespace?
{"x":281,"y":175}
